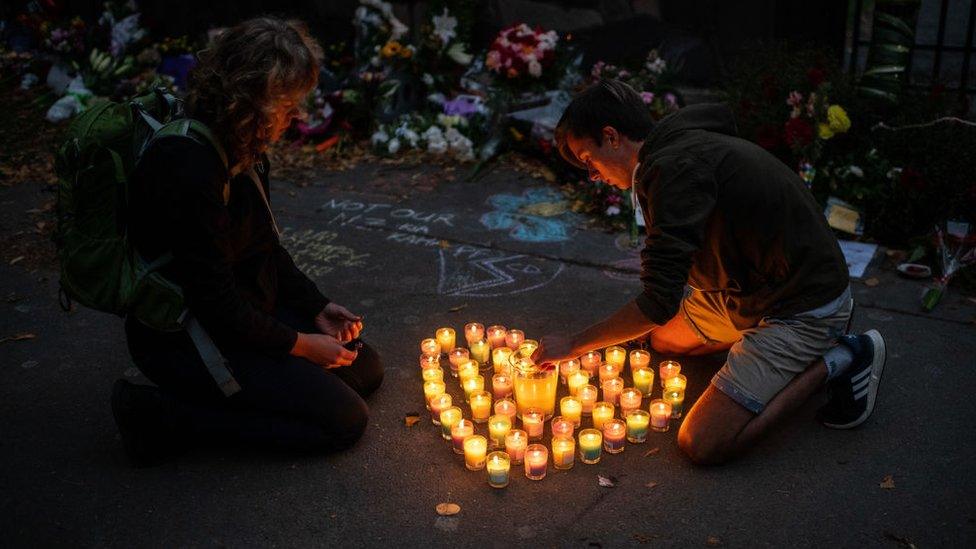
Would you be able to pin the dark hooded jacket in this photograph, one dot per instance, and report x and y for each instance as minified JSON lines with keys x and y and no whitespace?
{"x":724,"y":215}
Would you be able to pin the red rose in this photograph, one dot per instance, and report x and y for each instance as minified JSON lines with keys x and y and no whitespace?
{"x":816,"y":76}
{"x":798,"y":132}
{"x":768,"y":137}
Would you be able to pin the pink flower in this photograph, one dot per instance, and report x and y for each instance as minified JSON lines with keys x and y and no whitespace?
{"x":647,"y":97}
{"x":795,"y":99}
{"x":494,"y":60}
{"x":597,"y":69}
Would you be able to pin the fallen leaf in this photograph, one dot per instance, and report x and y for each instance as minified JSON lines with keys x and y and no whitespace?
{"x":411,"y":419}
{"x":888,"y":482}
{"x":448,"y":509}
{"x":606,"y":482}
{"x":444,"y":244}
{"x":872,"y":282}
{"x":456,"y":309}
{"x":713,"y":541}
{"x":652,"y":451}
{"x":15,"y":260}
{"x":650,"y":484}
{"x":18,"y":337}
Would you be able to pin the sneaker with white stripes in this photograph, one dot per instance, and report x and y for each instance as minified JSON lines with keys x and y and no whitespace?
{"x":854,"y":393}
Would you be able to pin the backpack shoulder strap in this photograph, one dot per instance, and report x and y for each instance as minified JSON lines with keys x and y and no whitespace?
{"x":199,"y":132}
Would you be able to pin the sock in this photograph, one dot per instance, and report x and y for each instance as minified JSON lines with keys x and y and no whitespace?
{"x":838,"y":360}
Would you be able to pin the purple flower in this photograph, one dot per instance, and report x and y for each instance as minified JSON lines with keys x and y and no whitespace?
{"x":647,"y":97}
{"x":670,"y":99}
{"x":463,"y":105}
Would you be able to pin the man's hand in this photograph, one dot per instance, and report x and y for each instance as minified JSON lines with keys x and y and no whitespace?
{"x":336,"y":321}
{"x":324,"y":350}
{"x":554,"y":348}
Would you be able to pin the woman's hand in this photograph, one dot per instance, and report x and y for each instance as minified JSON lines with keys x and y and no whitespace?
{"x":324,"y":350}
{"x":336,"y":321}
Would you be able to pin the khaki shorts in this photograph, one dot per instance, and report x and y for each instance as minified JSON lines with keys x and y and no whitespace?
{"x":763,"y":359}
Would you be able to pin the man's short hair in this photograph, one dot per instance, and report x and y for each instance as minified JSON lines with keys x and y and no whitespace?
{"x":604,"y":103}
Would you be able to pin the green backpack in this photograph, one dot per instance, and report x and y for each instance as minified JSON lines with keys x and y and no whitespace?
{"x":100,"y":267}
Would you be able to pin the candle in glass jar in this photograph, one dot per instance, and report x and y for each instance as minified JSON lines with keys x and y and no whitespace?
{"x":602,"y":413}
{"x":449,"y":417}
{"x":473,"y":331}
{"x":637,"y":422}
{"x":480,"y":402}
{"x":446,"y":337}
{"x":533,"y":423}
{"x":527,"y":347}
{"x":612,"y":389}
{"x":461,"y":430}
{"x":430,"y":347}
{"x":587,"y":395}
{"x":668,"y":369}
{"x":675,"y":396}
{"x":467,"y":369}
{"x":498,"y":428}
{"x":630,"y":399}
{"x":501,"y":360}
{"x":498,"y":465}
{"x":536,"y":461}
{"x":562,"y":427}
{"x":433,"y":388}
{"x":506,"y":407}
{"x":480,"y":351}
{"x":563,"y":452}
{"x":571,"y":408}
{"x":614,"y":436}
{"x":514,"y":338}
{"x":608,"y":370}
{"x":438,"y":404}
{"x":475,"y":450}
{"x":591,"y":361}
{"x":577,"y":380}
{"x":457,"y":356}
{"x":677,"y":382}
{"x":428,"y":361}
{"x":515,"y":443}
{"x":639,"y":358}
{"x":432,"y":374}
{"x":616,"y":355}
{"x":473,"y":385}
{"x":568,"y":368}
{"x":496,"y":336}
{"x":660,"y":415}
{"x":501,"y":385}
{"x":643,"y":379}
{"x":590,"y":445}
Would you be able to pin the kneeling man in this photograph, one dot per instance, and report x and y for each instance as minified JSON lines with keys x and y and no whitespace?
{"x":737,"y":257}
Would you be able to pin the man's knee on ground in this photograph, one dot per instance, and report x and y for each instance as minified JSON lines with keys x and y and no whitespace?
{"x":700,"y":449}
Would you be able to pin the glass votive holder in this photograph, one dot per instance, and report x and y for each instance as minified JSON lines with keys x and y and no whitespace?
{"x":473,"y":331}
{"x":602,"y":413}
{"x":449,"y":418}
{"x":590,"y":446}
{"x":609,"y":370}
{"x":577,"y":380}
{"x":668,"y":369}
{"x":527,"y":347}
{"x":676,"y":398}
{"x":447,"y":338}
{"x":480,"y":402}
{"x":660,"y":415}
{"x":506,"y":407}
{"x":562,"y":427}
{"x":432,"y":374}
{"x":536,"y":461}
{"x":480,"y":351}
{"x":496,"y":336}
{"x":563,"y":452}
{"x":456,"y":357}
{"x":431,"y":389}
{"x":461,"y":430}
{"x":516,"y":441}
{"x":475,"y":452}
{"x":514,"y":338}
{"x":501,"y":360}
{"x":630,"y":399}
{"x":498,"y":429}
{"x":612,"y":389}
{"x":438,"y":404}
{"x":615,"y":355}
{"x":590,"y":362}
{"x":501,"y":385}
{"x":429,"y":361}
{"x":639,"y":358}
{"x":468,"y":369}
{"x":473,"y":385}
{"x":571,"y":408}
{"x":614,"y":436}
{"x":533,"y":421}
{"x":587,"y":395}
{"x":430,"y":347}
{"x":643,"y":379}
{"x":498,"y":465}
{"x":678,"y":382}
{"x":568,"y":368}
{"x":637,"y":422}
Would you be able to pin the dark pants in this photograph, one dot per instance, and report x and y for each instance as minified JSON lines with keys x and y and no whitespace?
{"x":285,"y":402}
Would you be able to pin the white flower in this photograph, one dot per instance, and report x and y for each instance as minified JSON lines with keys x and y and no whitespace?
{"x":437,"y":146}
{"x":444,"y":25}
{"x":393,"y":146}
{"x":458,"y":55}
{"x":397,"y":29}
{"x":433,"y":133}
{"x":428,"y":79}
{"x":613,"y":210}
{"x":657,"y":66}
{"x":856,"y":170}
{"x":379,"y":137}
{"x":535,"y":69}
{"x":407,"y":134}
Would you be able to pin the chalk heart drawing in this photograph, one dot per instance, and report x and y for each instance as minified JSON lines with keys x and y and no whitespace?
{"x":470,"y":271}
{"x":315,"y":254}
{"x":539,"y":215}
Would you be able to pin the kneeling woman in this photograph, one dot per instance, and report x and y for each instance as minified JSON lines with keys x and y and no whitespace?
{"x":303,"y":373}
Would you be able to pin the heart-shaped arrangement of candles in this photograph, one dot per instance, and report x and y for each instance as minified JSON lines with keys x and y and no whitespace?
{"x":503,"y":388}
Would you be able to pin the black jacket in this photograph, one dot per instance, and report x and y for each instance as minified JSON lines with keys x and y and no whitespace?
{"x":723,"y":214}
{"x":227,"y":258}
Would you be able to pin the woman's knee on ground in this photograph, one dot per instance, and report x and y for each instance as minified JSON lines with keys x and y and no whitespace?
{"x":699,"y":448}
{"x":365,"y":375}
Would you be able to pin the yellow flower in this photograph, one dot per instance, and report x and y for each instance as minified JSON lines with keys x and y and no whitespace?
{"x":406,"y":53}
{"x":837,"y":119}
{"x":391,"y":49}
{"x":824,"y":131}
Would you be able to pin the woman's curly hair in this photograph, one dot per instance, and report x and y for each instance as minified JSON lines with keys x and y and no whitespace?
{"x":240,"y":76}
